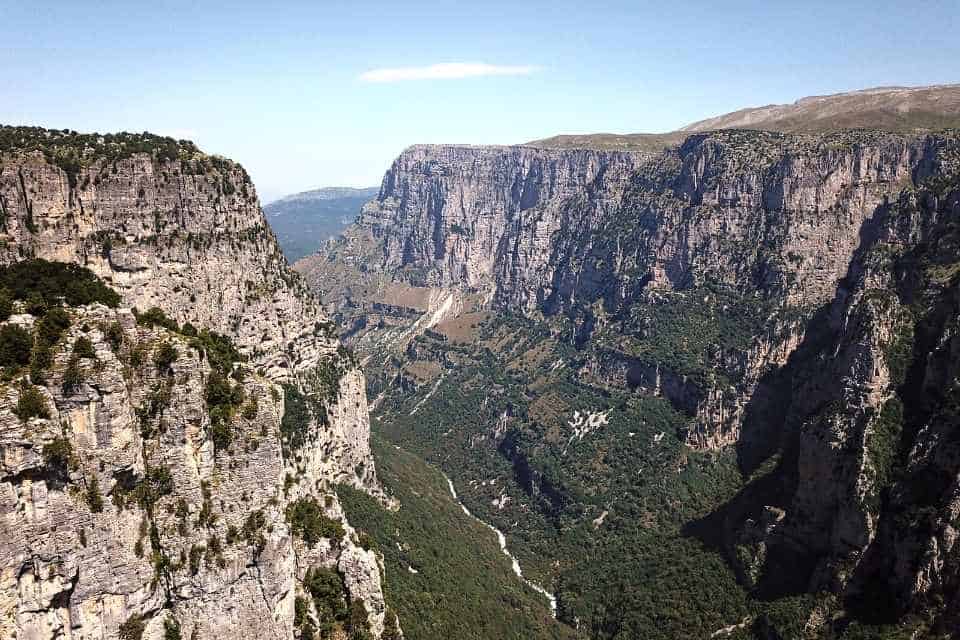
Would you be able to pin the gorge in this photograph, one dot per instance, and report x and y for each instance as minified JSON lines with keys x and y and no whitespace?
{"x":702,"y":381}
{"x":697,"y":384}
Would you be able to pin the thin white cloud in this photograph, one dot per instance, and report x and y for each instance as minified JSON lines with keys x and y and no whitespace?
{"x":446,"y":71}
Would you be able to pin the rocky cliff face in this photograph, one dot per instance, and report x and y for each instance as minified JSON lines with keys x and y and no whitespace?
{"x":792,"y":295}
{"x":865,"y":496}
{"x":586,"y":235}
{"x":167,"y":226}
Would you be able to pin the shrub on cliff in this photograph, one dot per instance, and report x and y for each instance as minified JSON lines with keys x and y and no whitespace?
{"x":155,"y":317}
{"x":58,"y":455}
{"x":295,"y":425}
{"x":83,"y":348}
{"x":308,"y":522}
{"x":165,"y":356}
{"x":6,"y":304}
{"x":218,"y":349}
{"x":133,"y":628}
{"x":326,"y":588}
{"x":52,"y":325}
{"x":15,"y":346}
{"x":31,"y":404}
{"x":73,"y":376}
{"x":49,"y":283}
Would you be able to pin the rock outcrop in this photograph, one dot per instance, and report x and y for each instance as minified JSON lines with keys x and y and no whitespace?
{"x":216,"y":550}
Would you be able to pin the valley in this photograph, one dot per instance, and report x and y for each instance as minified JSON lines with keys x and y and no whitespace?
{"x":700,"y":384}
{"x":675,"y":377}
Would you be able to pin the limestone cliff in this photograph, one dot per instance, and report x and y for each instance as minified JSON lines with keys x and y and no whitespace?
{"x":171,"y":228}
{"x":794,"y":296}
{"x":587,"y":235}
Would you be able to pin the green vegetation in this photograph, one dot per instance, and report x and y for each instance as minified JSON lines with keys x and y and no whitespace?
{"x":682,"y":331}
{"x":73,"y":376}
{"x":164,"y":357}
{"x":52,"y":325}
{"x":58,"y":456}
{"x":357,"y":624}
{"x":113,"y":333}
{"x":295,"y":424}
{"x":253,"y":529}
{"x":31,"y":403}
{"x":391,"y":627}
{"x":597,"y":516}
{"x":15,"y":346}
{"x":93,"y":496}
{"x":464,"y":586}
{"x":83,"y":348}
{"x":309,"y":523}
{"x":74,"y":152}
{"x":155,"y":317}
{"x":329,"y":596}
{"x":883,"y":441}
{"x":145,"y":492}
{"x":218,"y":349}
{"x":223,"y":399}
{"x":171,"y":629}
{"x":133,"y":628}
{"x":49,"y":330}
{"x":6,"y":304}
{"x":44,"y":284}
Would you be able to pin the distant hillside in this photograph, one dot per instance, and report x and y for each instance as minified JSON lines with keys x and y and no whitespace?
{"x":304,"y":221}
{"x":898,"y":109}
{"x":895,"y":109}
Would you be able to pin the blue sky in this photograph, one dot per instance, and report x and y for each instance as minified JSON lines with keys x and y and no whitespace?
{"x":280,"y":86}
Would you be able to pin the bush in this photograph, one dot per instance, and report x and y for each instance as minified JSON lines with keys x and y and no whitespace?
{"x":250,"y":409}
{"x":391,"y":630}
{"x":157,"y":483}
{"x":155,"y":317}
{"x":253,"y":527}
{"x":58,"y":455}
{"x":73,"y":376}
{"x":221,"y":433}
{"x":93,"y":496}
{"x":165,"y":356}
{"x":308,"y":522}
{"x":15,"y":346}
{"x":301,"y":619}
{"x":54,"y":322}
{"x":40,"y":360}
{"x":218,"y":349}
{"x":83,"y":348}
{"x":328,"y":592}
{"x":44,"y":284}
{"x":171,"y":629}
{"x":295,"y":424}
{"x":6,"y":304}
{"x":31,"y":404}
{"x":222,"y":403}
{"x":133,"y":628}
{"x":114,"y":335}
{"x":359,"y":623}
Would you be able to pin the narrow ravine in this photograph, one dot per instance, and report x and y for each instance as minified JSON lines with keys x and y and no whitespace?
{"x":502,"y":539}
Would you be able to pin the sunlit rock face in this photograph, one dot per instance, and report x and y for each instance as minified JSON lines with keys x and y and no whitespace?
{"x":184,"y":234}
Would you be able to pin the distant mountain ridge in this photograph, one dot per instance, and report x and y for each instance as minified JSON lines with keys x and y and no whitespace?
{"x":894,"y":109}
{"x":304,"y":221}
{"x":323,"y":193}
